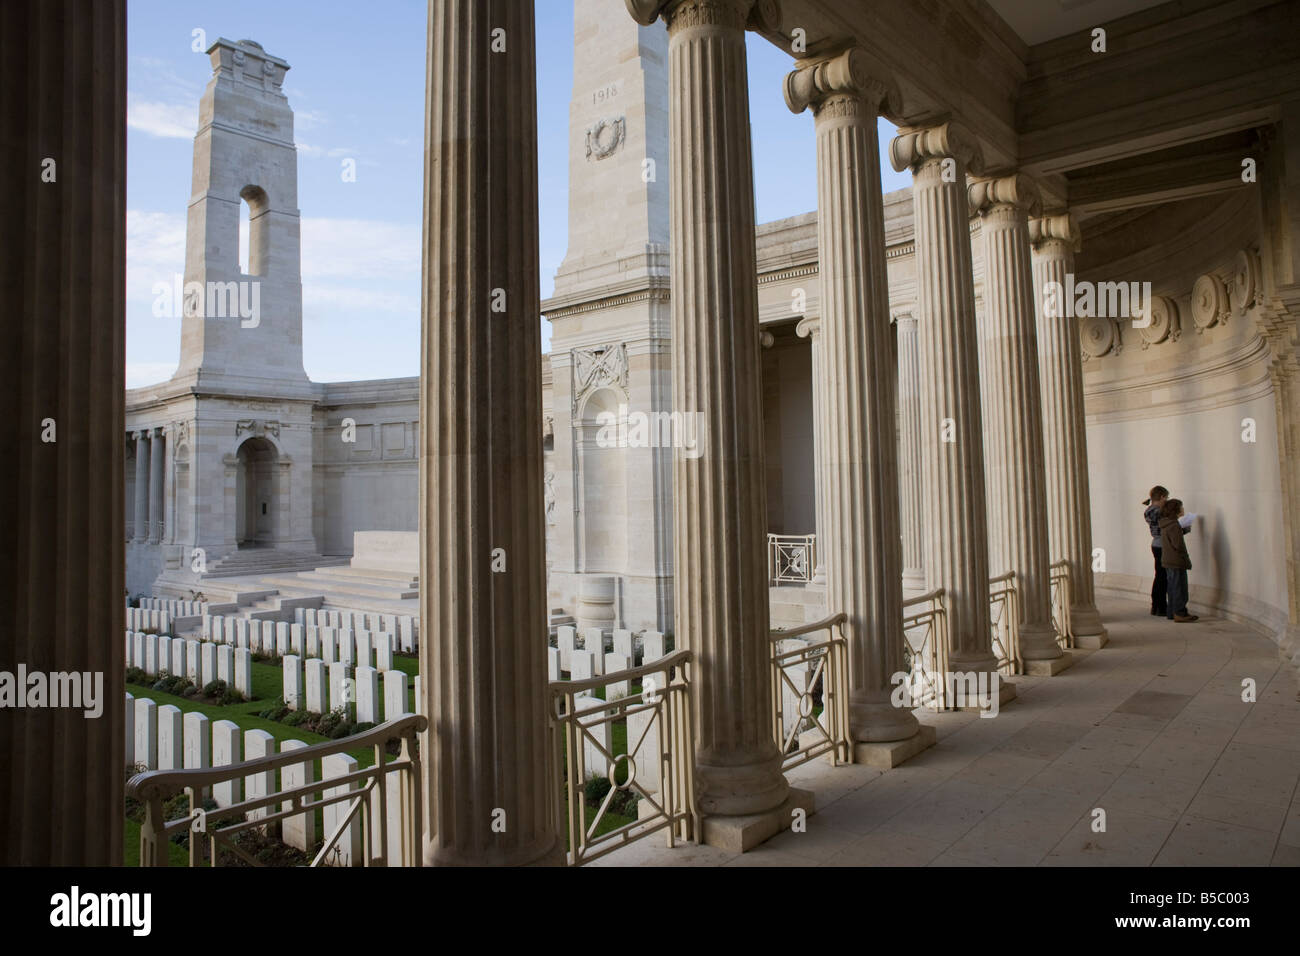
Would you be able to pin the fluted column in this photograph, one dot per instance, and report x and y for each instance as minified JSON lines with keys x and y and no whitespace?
{"x":910,"y":491}
{"x":142,"y":447}
{"x":864,"y":577}
{"x":157,"y":457}
{"x":1060,"y":362}
{"x":810,"y":329}
{"x":482,"y":536}
{"x":62,"y":490}
{"x":952,"y":451}
{"x":719,"y":497}
{"x":1014,"y":472}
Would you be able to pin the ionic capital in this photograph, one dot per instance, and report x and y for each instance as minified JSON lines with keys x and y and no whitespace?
{"x":903,"y":318}
{"x":948,"y":140}
{"x":809,"y":327}
{"x":1060,"y":226}
{"x":679,"y":14}
{"x":1017,"y":191}
{"x":851,"y":74}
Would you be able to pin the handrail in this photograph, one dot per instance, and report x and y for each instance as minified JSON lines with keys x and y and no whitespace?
{"x":934,"y":595}
{"x":659,"y":664}
{"x":824,"y":624}
{"x":151,"y":783}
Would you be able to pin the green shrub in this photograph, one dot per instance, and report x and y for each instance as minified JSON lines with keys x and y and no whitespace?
{"x":595,"y":789}
{"x":276,"y":711}
{"x":135,"y":675}
{"x":214,"y":688}
{"x":294,"y":718}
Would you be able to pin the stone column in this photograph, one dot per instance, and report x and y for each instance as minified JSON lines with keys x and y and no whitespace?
{"x":157,"y":457}
{"x":62,"y":568}
{"x":142,"y":446}
{"x":810,"y":328}
{"x":864,"y":579}
{"x":486,"y":757}
{"x":910,"y":491}
{"x":719,"y":497}
{"x":1014,"y":472}
{"x":952,"y":451}
{"x":1055,"y":240}
{"x":169,"y":486}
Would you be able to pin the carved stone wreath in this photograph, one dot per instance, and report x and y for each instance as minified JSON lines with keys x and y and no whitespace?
{"x":1098,"y":335}
{"x":1164,"y":322}
{"x":257,"y":428}
{"x":604,"y":138}
{"x":1209,"y":302}
{"x":1245,"y":290}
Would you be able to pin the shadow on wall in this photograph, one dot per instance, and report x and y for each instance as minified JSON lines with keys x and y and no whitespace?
{"x":1220,"y":552}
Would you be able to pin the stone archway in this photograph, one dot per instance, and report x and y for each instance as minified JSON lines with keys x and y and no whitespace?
{"x":256,"y":498}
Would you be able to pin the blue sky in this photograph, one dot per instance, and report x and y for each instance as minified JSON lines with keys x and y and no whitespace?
{"x":356,"y":85}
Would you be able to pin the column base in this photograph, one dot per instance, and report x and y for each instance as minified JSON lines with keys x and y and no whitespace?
{"x":1050,"y":667}
{"x":740,"y":834}
{"x":889,"y":754}
{"x":1089,"y":632}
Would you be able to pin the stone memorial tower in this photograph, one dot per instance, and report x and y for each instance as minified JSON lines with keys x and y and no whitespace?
{"x":611,"y":559}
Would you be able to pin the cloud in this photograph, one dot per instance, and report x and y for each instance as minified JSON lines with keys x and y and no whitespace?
{"x":166,"y":120}
{"x":337,"y":249}
{"x":155,"y":252}
{"x":333,"y":152}
{"x":140,"y":374}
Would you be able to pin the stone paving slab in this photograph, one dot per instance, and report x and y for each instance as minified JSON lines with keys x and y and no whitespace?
{"x":1151,"y":730}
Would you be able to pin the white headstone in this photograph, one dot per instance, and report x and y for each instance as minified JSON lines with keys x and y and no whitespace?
{"x":346,"y":850}
{"x":244,"y":672}
{"x":151,"y":654}
{"x":226,"y":664}
{"x":329,"y":645}
{"x":384,"y":653}
{"x":596,"y":731}
{"x":363,"y":649}
{"x":652,"y":646}
{"x":406,"y":633}
{"x":164,"y":655}
{"x":316,"y":686}
{"x":582,"y":665}
{"x":623,"y":642}
{"x":395,"y":694}
{"x":342,"y":693}
{"x":552,"y":663}
{"x":619,"y":688}
{"x":178,"y":657}
{"x":293,"y":689}
{"x":367,"y":694}
{"x":198,"y":741}
{"x":281,"y":638}
{"x":566,"y":639}
{"x":130,"y":730}
{"x":313,"y":640}
{"x":193,"y":666}
{"x":296,"y":638}
{"x":171,"y":738}
{"x":137,"y":651}
{"x":258,"y":743}
{"x":298,"y":831}
{"x":208,"y":662}
{"x":226,"y":751}
{"x":347,"y":651}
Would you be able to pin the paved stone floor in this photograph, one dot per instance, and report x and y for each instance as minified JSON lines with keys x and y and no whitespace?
{"x":1151,"y":729}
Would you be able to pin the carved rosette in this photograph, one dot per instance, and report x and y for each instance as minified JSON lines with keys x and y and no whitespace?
{"x":1098,"y":335}
{"x":1163,"y":325}
{"x":1245,"y":289}
{"x":1209,"y":302}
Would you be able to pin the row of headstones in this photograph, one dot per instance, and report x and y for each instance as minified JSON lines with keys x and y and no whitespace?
{"x":280,"y":638}
{"x":403,"y":625}
{"x":138,"y":618}
{"x":199,"y":661}
{"x":165,"y":738}
{"x":592,"y":660}
{"x":320,"y":688}
{"x":174,"y":606}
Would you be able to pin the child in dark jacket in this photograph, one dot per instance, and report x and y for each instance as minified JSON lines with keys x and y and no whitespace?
{"x":1177,"y":562}
{"x":1160,"y":583}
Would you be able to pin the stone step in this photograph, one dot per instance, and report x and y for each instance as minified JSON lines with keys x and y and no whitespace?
{"x":309,"y":583}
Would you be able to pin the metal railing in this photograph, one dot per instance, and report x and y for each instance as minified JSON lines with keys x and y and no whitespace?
{"x":1004,"y":621}
{"x":155,"y":787}
{"x":1062,"y":595}
{"x":925,"y":631}
{"x":660,"y":744}
{"x":791,"y":558}
{"x":801,"y":671}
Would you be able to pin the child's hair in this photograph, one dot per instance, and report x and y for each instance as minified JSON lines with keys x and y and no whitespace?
{"x":1171,"y":508}
{"x":1159,"y":491}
